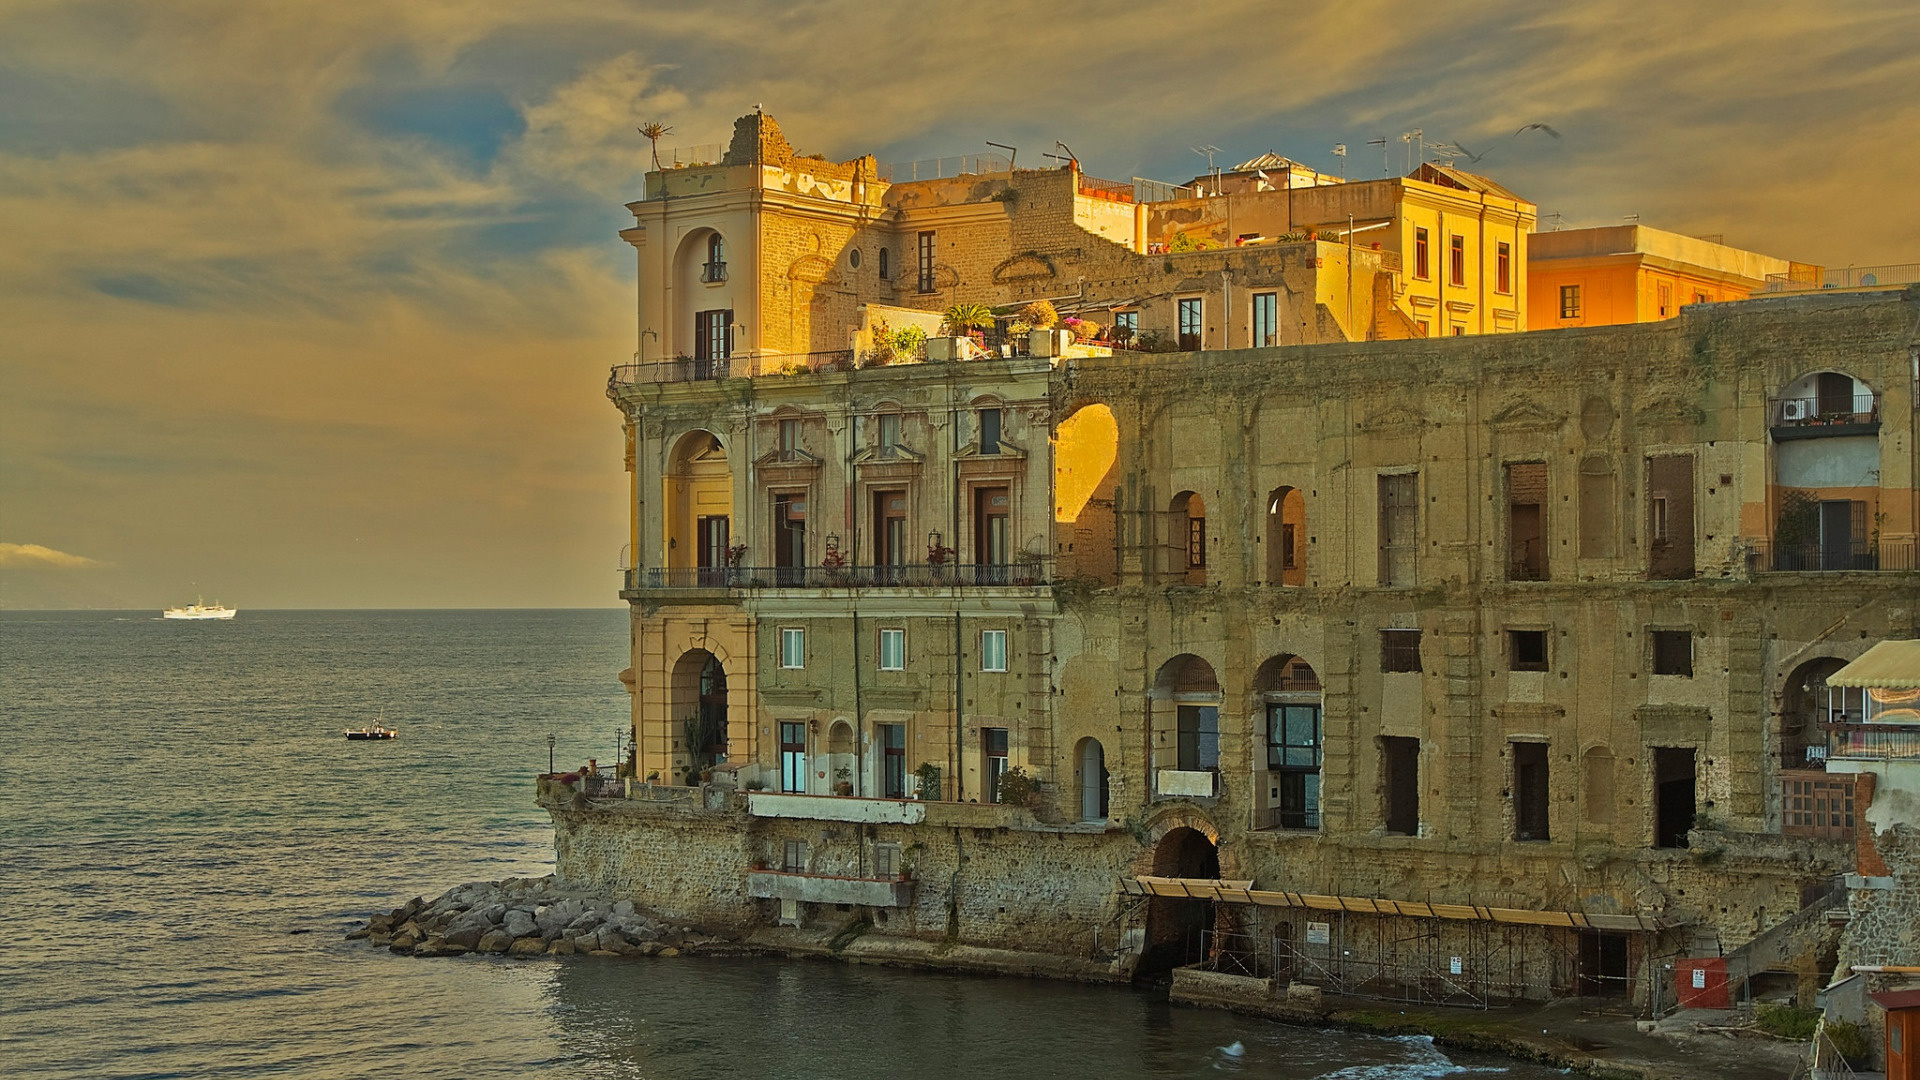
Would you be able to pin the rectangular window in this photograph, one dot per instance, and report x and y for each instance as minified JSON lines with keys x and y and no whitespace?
{"x":893,"y":650}
{"x":1457,"y":259}
{"x":1293,"y":751}
{"x":1666,"y":299}
{"x":993,"y":748}
{"x":926,"y":262}
{"x":1266,"y":319}
{"x":793,"y":647}
{"x":793,"y":756}
{"x":893,"y":760}
{"x":993,"y":650}
{"x":1399,"y":650}
{"x":886,"y":861}
{"x":1702,"y":298}
{"x":1503,"y":267}
{"x":1420,"y":254}
{"x":1128,"y":321}
{"x":789,"y":439}
{"x":1399,"y":513}
{"x":1400,"y":784}
{"x":1527,"y":521}
{"x":1527,"y":650}
{"x":989,"y":431}
{"x":1569,"y":301}
{"x":889,"y":431}
{"x":1672,"y":652}
{"x":712,"y":339}
{"x":1198,"y":737}
{"x":1190,"y":323}
{"x":1670,"y":554}
{"x":1196,"y":543}
{"x":793,"y":858}
{"x":1530,"y":797}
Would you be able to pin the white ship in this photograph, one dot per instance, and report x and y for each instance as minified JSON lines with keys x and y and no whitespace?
{"x":200,"y":609}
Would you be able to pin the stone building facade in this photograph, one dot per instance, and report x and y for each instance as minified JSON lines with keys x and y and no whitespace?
{"x":1473,"y":662}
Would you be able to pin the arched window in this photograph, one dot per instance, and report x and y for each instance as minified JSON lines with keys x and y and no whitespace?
{"x":886,"y":263}
{"x":1286,"y":537}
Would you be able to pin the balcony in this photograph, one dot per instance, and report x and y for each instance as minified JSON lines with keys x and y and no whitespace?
{"x":1872,"y":741}
{"x":1766,"y":556}
{"x":713,"y":272}
{"x":827,"y":889}
{"x":1028,"y":573}
{"x":1823,"y":418}
{"x":774,"y":804}
{"x":678,"y":370}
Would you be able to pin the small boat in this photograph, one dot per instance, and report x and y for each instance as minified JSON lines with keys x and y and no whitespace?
{"x":199,"y":609}
{"x":377,"y":731}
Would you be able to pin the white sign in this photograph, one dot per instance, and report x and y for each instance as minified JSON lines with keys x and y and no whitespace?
{"x":1456,"y":965}
{"x":1699,"y":978}
{"x":1319,"y":933}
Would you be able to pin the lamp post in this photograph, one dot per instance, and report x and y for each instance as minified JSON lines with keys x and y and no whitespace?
{"x":549,"y":753}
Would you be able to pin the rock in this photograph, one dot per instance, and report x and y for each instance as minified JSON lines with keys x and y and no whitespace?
{"x":467,"y":937}
{"x":494,"y":941}
{"x":528,"y":946}
{"x":563,"y":947}
{"x":380,"y":923}
{"x":555,"y":917}
{"x":1303,"y":995}
{"x":413,"y":928}
{"x":585,"y":924}
{"x":651,"y":948}
{"x":623,"y":909}
{"x":586,"y":943}
{"x":379,"y":940}
{"x":611,"y":939}
{"x":519,"y":923}
{"x":402,"y":943}
{"x":359,"y":935}
{"x":603,"y":952}
{"x":477,"y":917}
{"x":493,"y":913}
{"x":668,"y":951}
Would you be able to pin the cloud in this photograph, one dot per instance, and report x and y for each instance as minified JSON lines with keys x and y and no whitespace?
{"x":36,"y":557}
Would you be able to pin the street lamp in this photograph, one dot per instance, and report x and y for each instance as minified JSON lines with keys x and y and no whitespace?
{"x":549,"y":753}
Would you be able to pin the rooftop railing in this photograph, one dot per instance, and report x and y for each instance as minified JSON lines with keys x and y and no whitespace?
{"x":1027,"y":573}
{"x":1851,"y":277}
{"x":942,"y":167}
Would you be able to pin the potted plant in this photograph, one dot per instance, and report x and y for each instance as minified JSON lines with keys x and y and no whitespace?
{"x":843,"y":781}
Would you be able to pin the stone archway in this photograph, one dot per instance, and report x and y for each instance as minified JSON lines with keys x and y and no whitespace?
{"x":1176,"y":927}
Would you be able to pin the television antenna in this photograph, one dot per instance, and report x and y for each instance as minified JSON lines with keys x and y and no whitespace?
{"x":1013,"y":153}
{"x":1381,"y":142}
{"x":1413,"y":138}
{"x":1340,"y":151}
{"x":1207,"y":150}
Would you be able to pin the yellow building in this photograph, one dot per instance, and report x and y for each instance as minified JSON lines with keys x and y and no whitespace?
{"x":1633,"y":273}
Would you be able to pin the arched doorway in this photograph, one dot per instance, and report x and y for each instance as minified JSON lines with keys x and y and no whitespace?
{"x":1286,"y":537}
{"x":699,"y":695}
{"x":1186,"y":720}
{"x":1176,"y":926}
{"x":1805,"y":703}
{"x":1093,"y":780}
{"x":699,"y":509}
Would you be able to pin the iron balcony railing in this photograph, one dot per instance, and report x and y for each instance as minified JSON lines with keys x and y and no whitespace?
{"x":1814,"y":412}
{"x":1872,"y":740}
{"x":678,"y":370}
{"x":1027,"y":573}
{"x":713,"y":272}
{"x":1832,"y":556}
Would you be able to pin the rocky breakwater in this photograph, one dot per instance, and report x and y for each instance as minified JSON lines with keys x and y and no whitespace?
{"x":528,"y":917}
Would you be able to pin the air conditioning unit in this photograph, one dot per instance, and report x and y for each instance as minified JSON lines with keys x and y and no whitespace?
{"x":1796,"y":409}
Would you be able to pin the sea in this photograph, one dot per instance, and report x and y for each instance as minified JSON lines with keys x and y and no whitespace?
{"x":185,"y":838}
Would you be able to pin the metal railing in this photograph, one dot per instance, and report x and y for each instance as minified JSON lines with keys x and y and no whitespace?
{"x":1147,"y":191}
{"x":1884,"y":555}
{"x":1027,"y":573}
{"x":1106,"y":189}
{"x":1818,"y":412}
{"x":713,"y":272}
{"x":678,"y":370}
{"x":1851,"y":277}
{"x":682,"y":157}
{"x":1817,"y":804}
{"x":1873,"y":740}
{"x":942,"y":167}
{"x":803,"y":363}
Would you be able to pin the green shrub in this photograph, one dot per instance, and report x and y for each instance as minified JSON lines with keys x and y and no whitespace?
{"x":929,"y":776}
{"x":1019,"y":789}
{"x":1852,"y":1043}
{"x":1787,"y":1022}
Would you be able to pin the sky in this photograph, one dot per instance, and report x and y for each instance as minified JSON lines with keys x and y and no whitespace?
{"x":311,"y":305}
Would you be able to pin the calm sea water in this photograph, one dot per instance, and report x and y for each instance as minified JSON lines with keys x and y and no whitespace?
{"x":184,"y":837}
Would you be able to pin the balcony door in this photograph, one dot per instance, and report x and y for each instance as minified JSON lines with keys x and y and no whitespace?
{"x":990,"y":533}
{"x":793,"y":756}
{"x":711,"y":554}
{"x":1837,"y":534}
{"x":893,"y":760}
{"x":889,"y":534}
{"x":712,"y":342}
{"x":789,"y":538}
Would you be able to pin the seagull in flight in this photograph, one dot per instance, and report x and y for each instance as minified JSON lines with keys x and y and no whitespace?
{"x":1536,"y":127}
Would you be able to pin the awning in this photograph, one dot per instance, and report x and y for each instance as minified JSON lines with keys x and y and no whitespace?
{"x":1892,"y":665}
{"x":1242,"y":892}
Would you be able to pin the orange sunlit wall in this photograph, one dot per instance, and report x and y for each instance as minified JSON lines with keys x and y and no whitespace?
{"x":1623,"y":292}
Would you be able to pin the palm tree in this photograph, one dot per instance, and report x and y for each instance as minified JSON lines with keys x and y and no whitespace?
{"x":654,"y":131}
{"x":960,"y":318}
